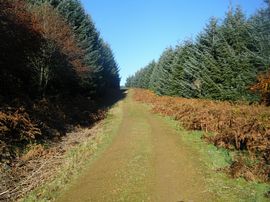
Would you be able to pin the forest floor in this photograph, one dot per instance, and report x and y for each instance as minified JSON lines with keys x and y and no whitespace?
{"x":150,"y":159}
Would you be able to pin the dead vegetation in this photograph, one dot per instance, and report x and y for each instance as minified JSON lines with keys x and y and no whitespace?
{"x":43,"y":120}
{"x":39,"y":165}
{"x":25,"y":160}
{"x":232,"y":126}
{"x":16,"y":128}
{"x":35,"y":136}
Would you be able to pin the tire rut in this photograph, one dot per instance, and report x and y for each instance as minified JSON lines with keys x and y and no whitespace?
{"x":145,"y":162}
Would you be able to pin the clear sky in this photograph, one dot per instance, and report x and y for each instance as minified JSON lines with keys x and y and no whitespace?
{"x":139,"y":30}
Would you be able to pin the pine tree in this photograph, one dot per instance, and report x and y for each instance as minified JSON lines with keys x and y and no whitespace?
{"x":110,"y":71}
{"x":235,"y":58}
{"x":148,"y":70}
{"x":260,"y":31}
{"x":222,"y":63}
{"x":96,"y":53}
{"x":129,"y":82}
{"x":209,"y":77}
{"x":160,"y":78}
{"x":180,"y":83}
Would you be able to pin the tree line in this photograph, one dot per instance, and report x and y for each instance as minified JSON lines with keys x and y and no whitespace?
{"x":52,"y":47}
{"x":223,"y":62}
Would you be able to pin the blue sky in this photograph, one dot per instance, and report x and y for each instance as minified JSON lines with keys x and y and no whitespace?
{"x":139,"y":30}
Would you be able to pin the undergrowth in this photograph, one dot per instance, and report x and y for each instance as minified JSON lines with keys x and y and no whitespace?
{"x":236,"y":127}
{"x":79,"y":158}
{"x":25,"y":122}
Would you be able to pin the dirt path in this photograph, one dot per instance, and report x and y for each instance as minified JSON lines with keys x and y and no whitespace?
{"x":145,"y":162}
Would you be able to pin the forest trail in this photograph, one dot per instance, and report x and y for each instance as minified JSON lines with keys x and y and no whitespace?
{"x":147,"y":161}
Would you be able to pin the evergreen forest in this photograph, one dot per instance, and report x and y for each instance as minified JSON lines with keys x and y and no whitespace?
{"x":228,"y":60}
{"x":52,"y":47}
{"x":55,"y":72}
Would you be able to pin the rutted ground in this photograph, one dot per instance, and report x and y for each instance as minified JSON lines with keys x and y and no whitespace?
{"x":146,"y":161}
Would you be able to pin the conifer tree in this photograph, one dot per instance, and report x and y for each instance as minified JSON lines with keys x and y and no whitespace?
{"x":235,"y":58}
{"x":260,"y":31}
{"x":97,"y":54}
{"x":160,"y":78}
{"x":180,"y":83}
{"x":209,"y":77}
{"x":222,"y":63}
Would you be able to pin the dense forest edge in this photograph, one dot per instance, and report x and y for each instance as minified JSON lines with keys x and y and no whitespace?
{"x":56,"y":74}
{"x":219,"y":83}
{"x":228,"y":60}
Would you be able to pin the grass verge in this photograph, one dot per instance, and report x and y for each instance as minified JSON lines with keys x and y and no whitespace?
{"x":79,"y":158}
{"x":213,"y":159}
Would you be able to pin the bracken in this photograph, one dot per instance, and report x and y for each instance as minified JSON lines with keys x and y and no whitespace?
{"x":232,"y":126}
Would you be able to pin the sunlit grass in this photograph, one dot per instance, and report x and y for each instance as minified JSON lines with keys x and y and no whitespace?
{"x":78,"y":159}
{"x":212,"y":158}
